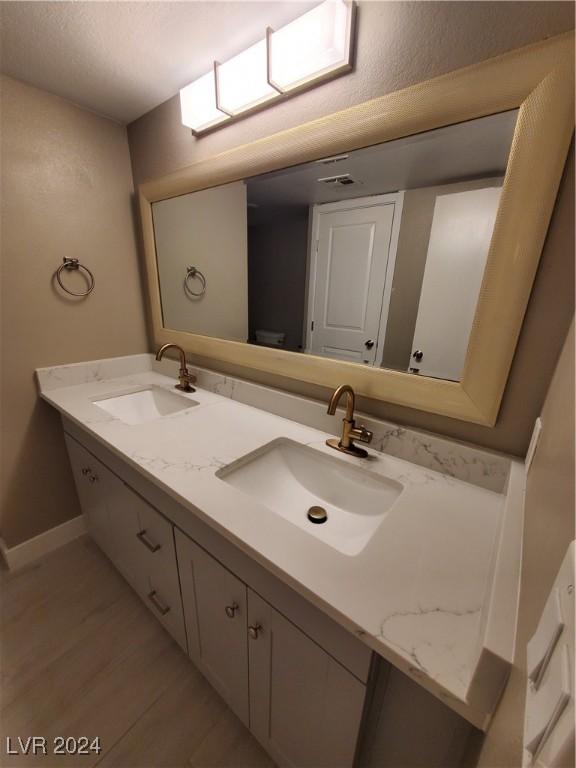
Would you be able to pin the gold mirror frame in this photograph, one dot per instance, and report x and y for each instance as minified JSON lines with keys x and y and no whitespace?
{"x":539,"y":81}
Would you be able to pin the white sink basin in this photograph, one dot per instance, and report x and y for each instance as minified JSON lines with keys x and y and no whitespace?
{"x":144,"y":405}
{"x":290,"y":478}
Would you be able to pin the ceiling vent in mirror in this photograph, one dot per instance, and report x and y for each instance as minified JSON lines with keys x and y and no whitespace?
{"x":343,"y":179}
{"x":312,"y":48}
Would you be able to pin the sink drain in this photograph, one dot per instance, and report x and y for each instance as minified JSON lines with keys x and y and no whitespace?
{"x":317,"y":515}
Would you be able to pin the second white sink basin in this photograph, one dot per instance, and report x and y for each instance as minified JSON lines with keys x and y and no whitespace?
{"x":290,"y":478}
{"x":144,"y":405}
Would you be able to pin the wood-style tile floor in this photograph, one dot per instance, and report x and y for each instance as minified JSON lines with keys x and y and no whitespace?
{"x":80,"y":655}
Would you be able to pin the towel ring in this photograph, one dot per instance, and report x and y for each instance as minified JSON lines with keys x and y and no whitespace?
{"x":70,"y":265}
{"x":192,"y":272}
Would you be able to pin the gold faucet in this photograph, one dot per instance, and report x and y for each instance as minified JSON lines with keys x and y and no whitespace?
{"x":185,"y":378}
{"x":350,"y":431}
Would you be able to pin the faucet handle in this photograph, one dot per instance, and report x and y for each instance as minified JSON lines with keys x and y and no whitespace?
{"x":362,"y":434}
{"x":185,"y":380}
{"x":189,"y":376}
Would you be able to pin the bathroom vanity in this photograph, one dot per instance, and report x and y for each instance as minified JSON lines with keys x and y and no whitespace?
{"x":314,"y":634}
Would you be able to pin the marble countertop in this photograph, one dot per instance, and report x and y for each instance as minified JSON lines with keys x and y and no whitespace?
{"x":416,"y":594}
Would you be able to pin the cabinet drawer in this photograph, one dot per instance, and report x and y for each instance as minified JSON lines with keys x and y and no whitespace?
{"x":163,"y":599}
{"x":159,"y":585}
{"x":154,"y":537}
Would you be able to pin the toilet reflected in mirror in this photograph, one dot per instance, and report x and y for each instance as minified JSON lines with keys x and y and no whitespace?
{"x":375,"y":256}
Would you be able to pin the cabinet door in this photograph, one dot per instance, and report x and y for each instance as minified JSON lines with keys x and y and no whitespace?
{"x":99,"y":492}
{"x":305,"y":708}
{"x":215,"y":614}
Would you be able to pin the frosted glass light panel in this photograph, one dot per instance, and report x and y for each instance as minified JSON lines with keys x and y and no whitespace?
{"x":198,"y":104}
{"x":242,"y":81}
{"x":312,"y":46}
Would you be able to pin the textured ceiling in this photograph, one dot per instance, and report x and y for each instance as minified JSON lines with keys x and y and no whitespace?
{"x":121,"y":59}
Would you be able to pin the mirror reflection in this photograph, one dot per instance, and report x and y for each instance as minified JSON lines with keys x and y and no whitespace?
{"x":374,"y":256}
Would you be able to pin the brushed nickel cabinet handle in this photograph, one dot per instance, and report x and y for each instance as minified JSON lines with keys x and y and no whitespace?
{"x":254,"y":630}
{"x":231,"y":610}
{"x":142,"y":535}
{"x":162,"y":609}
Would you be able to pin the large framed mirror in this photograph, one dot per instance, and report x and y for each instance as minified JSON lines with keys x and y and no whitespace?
{"x":391,"y":246}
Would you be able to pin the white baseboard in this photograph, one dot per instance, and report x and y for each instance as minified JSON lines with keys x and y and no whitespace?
{"x":28,"y":551}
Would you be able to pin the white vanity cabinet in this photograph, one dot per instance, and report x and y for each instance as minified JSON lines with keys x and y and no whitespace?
{"x":294,"y":689}
{"x":138,"y":540}
{"x":303,"y":706}
{"x":310,"y":691}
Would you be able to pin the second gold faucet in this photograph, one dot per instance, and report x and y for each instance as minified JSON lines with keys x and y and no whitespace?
{"x":350,"y":431}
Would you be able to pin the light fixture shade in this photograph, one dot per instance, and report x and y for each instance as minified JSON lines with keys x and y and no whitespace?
{"x":242,"y":81}
{"x":311,"y":46}
{"x":198,"y":104}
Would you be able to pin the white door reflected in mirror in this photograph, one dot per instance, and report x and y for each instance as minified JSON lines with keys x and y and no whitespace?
{"x":459,"y":242}
{"x":352,"y":268}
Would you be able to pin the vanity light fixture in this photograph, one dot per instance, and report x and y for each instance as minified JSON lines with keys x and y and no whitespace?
{"x":242,"y":81}
{"x":314,"y":47}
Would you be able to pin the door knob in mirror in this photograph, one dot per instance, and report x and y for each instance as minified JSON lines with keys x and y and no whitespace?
{"x":254,"y":630}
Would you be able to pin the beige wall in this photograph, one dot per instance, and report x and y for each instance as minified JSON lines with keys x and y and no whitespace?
{"x":66,"y":191}
{"x":413,"y":239}
{"x":548,"y":530}
{"x":401,"y":43}
{"x":207,"y":230}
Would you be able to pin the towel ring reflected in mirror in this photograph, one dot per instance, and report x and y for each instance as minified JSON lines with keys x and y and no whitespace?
{"x":74,"y":265}
{"x":193,"y":273}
